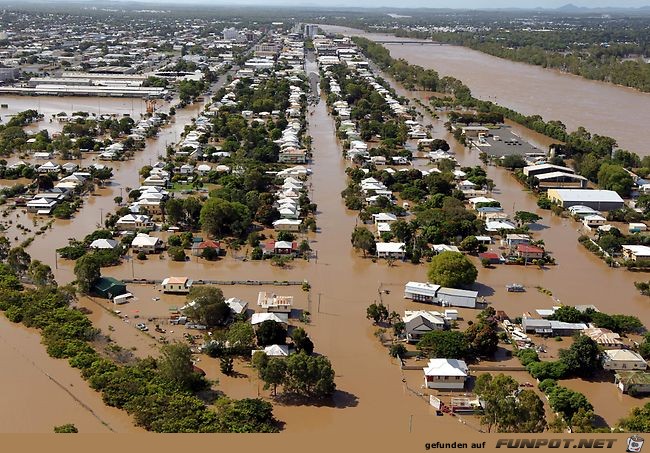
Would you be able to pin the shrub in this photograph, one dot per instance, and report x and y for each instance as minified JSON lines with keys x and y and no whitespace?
{"x":176,"y":253}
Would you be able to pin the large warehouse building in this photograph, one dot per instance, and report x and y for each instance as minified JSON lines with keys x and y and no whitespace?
{"x":600,"y":200}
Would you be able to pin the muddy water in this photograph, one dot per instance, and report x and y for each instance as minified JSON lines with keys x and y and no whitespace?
{"x":125,"y":176}
{"x":602,"y":108}
{"x":578,"y":278}
{"x":374,"y":394}
{"x":46,"y":392}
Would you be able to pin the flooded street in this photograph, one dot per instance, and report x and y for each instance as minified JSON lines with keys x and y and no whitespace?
{"x":374,"y":394}
{"x":602,"y":108}
{"x":578,"y":278}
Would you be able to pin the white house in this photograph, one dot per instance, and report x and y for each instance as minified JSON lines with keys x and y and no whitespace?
{"x":132,"y":222}
{"x":49,"y":167}
{"x":145,"y":243}
{"x":103,"y":244}
{"x":445,"y":374}
{"x":390,"y":250}
{"x":636,"y":252}
{"x":623,"y":359}
{"x":259,"y":318}
{"x":287,"y":225}
{"x":418,"y":323}
{"x":421,"y":292}
{"x":448,"y":297}
{"x":179,"y":285}
{"x":41,"y":205}
{"x":237,"y":306}
{"x":274,"y":350}
{"x":273,"y":303}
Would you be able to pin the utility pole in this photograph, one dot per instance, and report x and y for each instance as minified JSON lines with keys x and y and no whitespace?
{"x":319,"y":294}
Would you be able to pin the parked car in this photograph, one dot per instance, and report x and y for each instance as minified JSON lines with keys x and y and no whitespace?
{"x":515,"y":288}
{"x":143,"y":327}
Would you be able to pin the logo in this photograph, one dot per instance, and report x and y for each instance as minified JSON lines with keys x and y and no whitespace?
{"x":634,"y":444}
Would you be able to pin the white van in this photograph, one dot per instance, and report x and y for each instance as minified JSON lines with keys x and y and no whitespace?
{"x":122,"y":298}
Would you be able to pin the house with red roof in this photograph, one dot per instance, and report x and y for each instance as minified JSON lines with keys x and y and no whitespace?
{"x":199,"y":247}
{"x":529,"y":252}
{"x":491,"y":257}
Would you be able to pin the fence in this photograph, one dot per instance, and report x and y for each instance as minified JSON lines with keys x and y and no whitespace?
{"x":144,"y":281}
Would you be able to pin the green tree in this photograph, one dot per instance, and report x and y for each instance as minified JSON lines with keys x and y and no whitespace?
{"x":207,"y":306}
{"x":500,"y":408}
{"x":583,"y":357}
{"x":452,"y":269}
{"x":483,"y":338}
{"x":5,"y":246}
{"x":273,"y":373}
{"x":513,"y":161}
{"x":18,"y":259}
{"x":68,"y":428}
{"x":210,"y":254}
{"x":241,"y":337}
{"x":530,"y":413}
{"x":397,"y":350}
{"x":301,"y":341}
{"x":176,"y":253}
{"x":220,"y":217}
{"x":470,"y":244}
{"x":402,"y":230}
{"x":87,"y":271}
{"x":364,"y":240}
{"x":175,"y":366}
{"x":226,"y":365}
{"x":304,"y":247}
{"x":309,"y":376}
{"x":616,"y":178}
{"x":174,"y":211}
{"x":247,"y":415}
{"x":638,"y":421}
{"x":270,"y":332}
{"x":448,"y":344}
{"x":525,"y":217}
{"x":567,"y":402}
{"x":41,"y":274}
{"x":377,"y":312}
{"x":567,"y":313}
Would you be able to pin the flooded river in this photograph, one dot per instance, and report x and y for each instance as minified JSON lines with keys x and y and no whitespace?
{"x":373,"y":395}
{"x":602,"y":108}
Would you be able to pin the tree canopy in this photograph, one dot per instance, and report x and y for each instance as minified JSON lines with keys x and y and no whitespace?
{"x":452,"y":269}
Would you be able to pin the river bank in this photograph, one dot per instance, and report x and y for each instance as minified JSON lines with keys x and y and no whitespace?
{"x":600,"y":107}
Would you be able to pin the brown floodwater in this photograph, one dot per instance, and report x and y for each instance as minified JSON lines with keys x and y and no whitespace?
{"x":578,"y":278}
{"x":373,"y":395}
{"x":602,"y":108}
{"x":48,"y":392}
{"x":41,"y":392}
